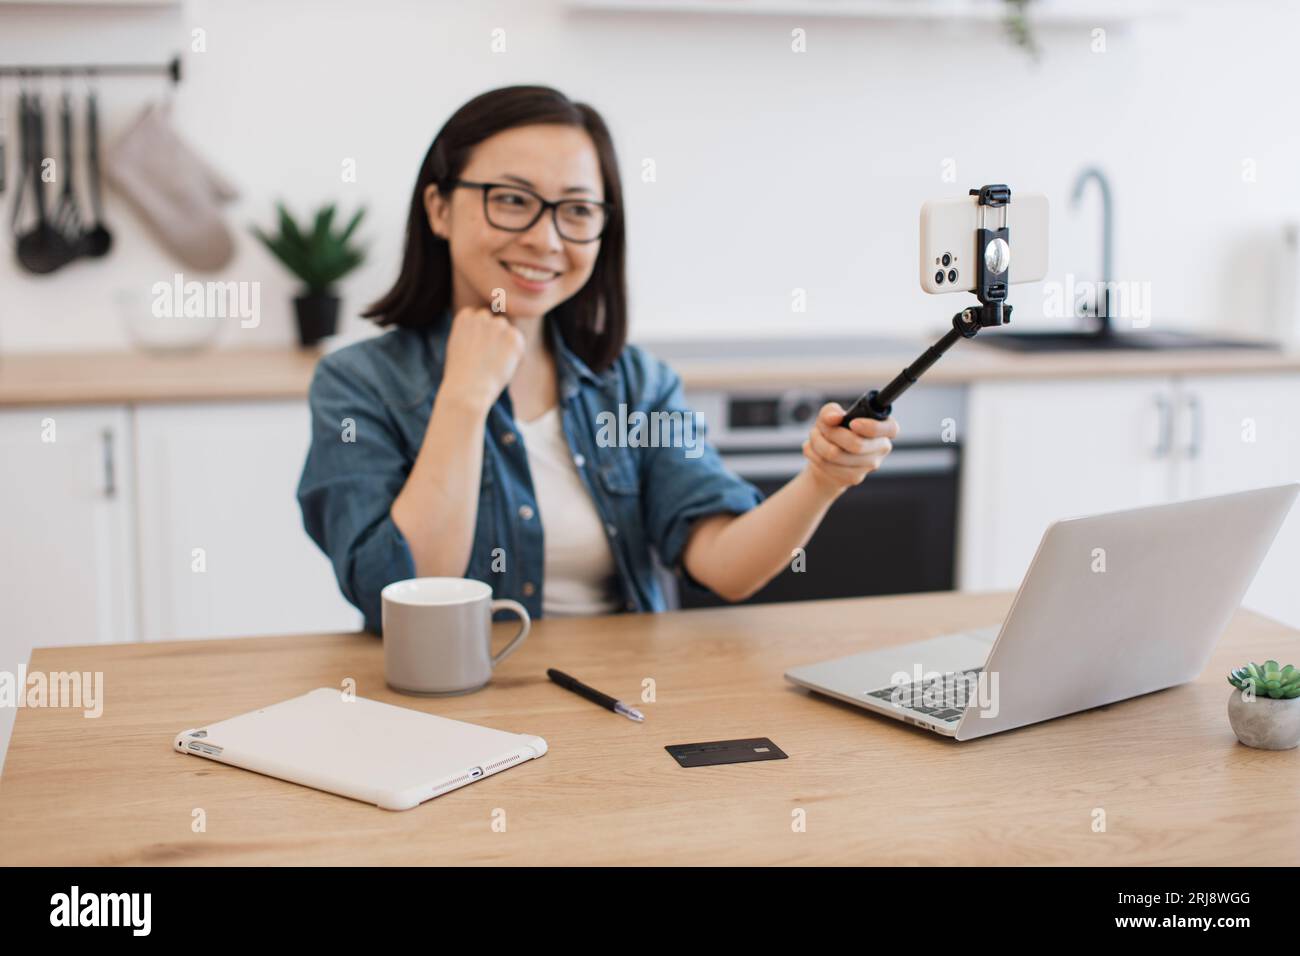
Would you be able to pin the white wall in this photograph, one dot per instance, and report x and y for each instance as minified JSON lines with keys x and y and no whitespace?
{"x":776,"y":170}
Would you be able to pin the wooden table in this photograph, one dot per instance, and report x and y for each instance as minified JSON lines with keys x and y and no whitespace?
{"x":1174,"y":784}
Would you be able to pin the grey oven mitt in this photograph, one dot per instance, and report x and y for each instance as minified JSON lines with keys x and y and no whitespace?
{"x":174,"y":190}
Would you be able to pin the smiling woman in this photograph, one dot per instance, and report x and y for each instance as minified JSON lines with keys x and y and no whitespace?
{"x":467,"y":440}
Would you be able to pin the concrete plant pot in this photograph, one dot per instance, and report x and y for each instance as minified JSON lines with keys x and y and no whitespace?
{"x":1264,"y":722}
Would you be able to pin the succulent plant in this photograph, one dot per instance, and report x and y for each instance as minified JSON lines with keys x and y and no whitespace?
{"x":319,"y":255}
{"x":1268,"y":680}
{"x":1016,"y":22}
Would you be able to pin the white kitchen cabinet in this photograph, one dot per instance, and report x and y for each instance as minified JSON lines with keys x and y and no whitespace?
{"x":66,"y":568}
{"x":1237,"y":433}
{"x":222,"y":548}
{"x":66,"y":563}
{"x":1036,"y":452}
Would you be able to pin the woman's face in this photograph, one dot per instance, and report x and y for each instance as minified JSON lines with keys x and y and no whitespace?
{"x":555,"y":161}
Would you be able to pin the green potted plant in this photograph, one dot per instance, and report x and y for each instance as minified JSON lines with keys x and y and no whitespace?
{"x":1264,"y":708}
{"x":1016,"y":22}
{"x":320,"y":256}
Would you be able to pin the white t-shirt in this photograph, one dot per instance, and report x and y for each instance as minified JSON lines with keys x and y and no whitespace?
{"x":580,"y":576}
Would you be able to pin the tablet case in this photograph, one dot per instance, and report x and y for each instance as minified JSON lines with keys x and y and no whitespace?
{"x":393,"y":757}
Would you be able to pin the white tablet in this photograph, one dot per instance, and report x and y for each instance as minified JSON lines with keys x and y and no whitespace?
{"x":390,"y":756}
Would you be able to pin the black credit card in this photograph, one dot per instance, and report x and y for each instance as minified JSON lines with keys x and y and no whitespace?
{"x":725,"y":751}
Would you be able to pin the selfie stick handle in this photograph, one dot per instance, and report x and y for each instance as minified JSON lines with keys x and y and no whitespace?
{"x":991,"y":289}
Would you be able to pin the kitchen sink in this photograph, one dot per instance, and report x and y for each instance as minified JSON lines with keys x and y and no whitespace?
{"x":1111,"y":341}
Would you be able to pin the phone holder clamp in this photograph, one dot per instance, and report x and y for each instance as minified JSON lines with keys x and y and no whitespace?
{"x":993,"y":278}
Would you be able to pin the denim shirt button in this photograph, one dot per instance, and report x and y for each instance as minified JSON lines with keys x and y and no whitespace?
{"x":613,"y":531}
{"x":579,"y":460}
{"x":529,"y":589}
{"x":507,"y":438}
{"x":525,"y":512}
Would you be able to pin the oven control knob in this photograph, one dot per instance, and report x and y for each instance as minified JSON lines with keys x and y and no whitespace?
{"x":797,"y":408}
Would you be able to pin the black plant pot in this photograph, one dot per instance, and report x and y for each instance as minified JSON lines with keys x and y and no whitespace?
{"x":318,"y":316}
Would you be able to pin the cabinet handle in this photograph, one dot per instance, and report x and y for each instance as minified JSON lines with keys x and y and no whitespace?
{"x":1165,"y":440}
{"x":1194,"y":439}
{"x":110,"y":464}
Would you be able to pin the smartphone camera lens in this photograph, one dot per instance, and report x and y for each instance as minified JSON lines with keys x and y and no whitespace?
{"x":952,"y":275}
{"x":938,"y":277}
{"x":947,"y":260}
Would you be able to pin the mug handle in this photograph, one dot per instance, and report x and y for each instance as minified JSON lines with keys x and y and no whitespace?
{"x":525,"y":625}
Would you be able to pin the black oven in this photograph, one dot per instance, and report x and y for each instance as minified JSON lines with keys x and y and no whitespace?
{"x":894,"y":533}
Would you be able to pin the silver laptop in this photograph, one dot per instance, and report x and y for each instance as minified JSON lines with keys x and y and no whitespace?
{"x":1113,"y":606}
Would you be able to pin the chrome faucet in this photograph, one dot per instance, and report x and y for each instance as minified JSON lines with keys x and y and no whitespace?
{"x":1107,"y":221}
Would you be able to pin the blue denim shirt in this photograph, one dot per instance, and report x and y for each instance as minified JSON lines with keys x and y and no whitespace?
{"x":370,"y":405}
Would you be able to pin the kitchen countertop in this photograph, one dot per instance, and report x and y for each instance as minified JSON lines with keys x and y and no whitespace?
{"x":966,"y":362}
{"x":91,"y":378}
{"x":69,"y":378}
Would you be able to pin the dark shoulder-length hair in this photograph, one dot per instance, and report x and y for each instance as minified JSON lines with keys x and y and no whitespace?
{"x":594,"y":320}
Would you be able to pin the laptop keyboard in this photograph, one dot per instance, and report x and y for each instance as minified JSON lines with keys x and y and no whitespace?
{"x":944,"y":698}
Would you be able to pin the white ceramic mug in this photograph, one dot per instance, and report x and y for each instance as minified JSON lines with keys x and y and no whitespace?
{"x":438,"y":632}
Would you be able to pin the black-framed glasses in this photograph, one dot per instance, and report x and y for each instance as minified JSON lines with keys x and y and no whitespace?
{"x":517,"y":209}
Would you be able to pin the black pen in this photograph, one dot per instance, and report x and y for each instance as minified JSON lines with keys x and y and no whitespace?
{"x":593,"y":695}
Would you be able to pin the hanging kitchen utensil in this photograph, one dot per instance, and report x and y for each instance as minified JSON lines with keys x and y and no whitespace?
{"x":42,"y":249}
{"x":24,"y":161}
{"x":97,"y":240}
{"x":28,"y":163}
{"x":67,"y":217}
{"x":4,"y":129}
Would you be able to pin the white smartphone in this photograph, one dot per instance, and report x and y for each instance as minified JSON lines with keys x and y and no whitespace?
{"x":948,"y":253}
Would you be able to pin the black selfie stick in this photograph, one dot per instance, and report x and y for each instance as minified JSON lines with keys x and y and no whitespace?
{"x":993,"y":278}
